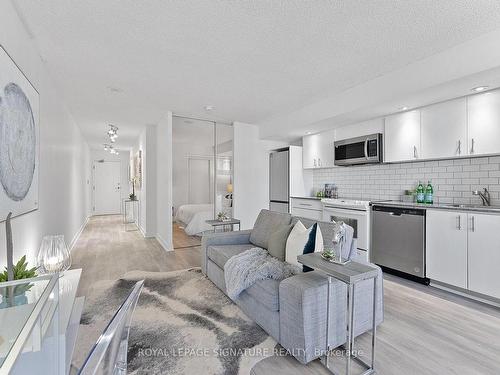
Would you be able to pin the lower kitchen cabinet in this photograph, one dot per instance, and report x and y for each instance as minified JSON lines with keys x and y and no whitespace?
{"x":484,"y":254}
{"x":446,"y":247}
{"x":307,"y":213}
{"x":308,"y":208}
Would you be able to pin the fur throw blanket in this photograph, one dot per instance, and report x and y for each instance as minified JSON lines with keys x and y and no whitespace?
{"x":243,"y":270}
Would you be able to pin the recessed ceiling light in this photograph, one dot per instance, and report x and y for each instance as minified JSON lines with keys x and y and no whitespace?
{"x":403,"y":108}
{"x":307,"y":133}
{"x":480,"y":88}
{"x":209,"y":108}
{"x":114,"y":90}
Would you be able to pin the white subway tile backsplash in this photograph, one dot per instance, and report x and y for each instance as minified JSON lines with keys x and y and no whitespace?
{"x":453,"y":180}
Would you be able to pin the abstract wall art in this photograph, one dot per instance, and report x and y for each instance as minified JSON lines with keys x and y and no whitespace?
{"x":19,"y":140}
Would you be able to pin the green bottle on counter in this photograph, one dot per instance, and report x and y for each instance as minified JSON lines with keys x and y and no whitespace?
{"x":429,"y":194}
{"x":420,"y":193}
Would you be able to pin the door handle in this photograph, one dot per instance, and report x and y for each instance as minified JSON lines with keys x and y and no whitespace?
{"x":393,"y":214}
{"x":472,"y":224}
{"x":366,"y":149}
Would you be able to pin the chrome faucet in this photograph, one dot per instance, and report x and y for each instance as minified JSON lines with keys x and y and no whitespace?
{"x":485,"y":196}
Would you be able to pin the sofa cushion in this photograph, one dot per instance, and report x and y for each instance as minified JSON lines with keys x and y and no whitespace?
{"x":221,"y":253}
{"x":267,"y":222}
{"x":277,"y":241}
{"x":326,"y":228}
{"x":266,"y":292}
{"x":303,"y":241}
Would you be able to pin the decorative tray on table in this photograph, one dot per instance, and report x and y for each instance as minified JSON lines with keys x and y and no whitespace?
{"x":331,"y":257}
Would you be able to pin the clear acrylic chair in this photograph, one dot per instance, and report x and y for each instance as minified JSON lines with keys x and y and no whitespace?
{"x":109,"y":354}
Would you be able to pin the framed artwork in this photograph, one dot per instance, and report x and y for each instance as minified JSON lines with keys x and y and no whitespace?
{"x":19,"y":140}
{"x":138,"y":169}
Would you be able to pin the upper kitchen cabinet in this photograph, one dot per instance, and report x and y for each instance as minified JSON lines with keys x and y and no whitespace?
{"x":484,"y":123}
{"x":402,"y":137}
{"x":318,"y":151}
{"x":360,"y":129}
{"x":444,"y":129}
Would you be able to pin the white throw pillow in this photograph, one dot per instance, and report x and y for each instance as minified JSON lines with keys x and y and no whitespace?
{"x":301,"y":241}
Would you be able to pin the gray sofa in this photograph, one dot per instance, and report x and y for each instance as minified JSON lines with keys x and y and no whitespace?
{"x":292,"y":311}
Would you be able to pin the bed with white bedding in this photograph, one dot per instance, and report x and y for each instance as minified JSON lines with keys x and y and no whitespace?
{"x":193,"y":216}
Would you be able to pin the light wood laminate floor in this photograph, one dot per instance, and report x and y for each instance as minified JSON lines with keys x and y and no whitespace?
{"x":426,"y":331}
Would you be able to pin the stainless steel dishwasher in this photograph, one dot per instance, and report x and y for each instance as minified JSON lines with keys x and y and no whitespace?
{"x":398,"y":239}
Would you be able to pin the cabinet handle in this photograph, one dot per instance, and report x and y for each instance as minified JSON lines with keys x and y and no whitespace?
{"x":473,"y":224}
{"x":305,"y":204}
{"x":319,"y":162}
{"x":459,"y":222}
{"x":472,"y":146}
{"x":415,"y":152}
{"x":459,"y":147}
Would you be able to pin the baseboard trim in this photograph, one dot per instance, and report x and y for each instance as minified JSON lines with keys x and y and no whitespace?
{"x":163,"y":243}
{"x":76,"y":237}
{"x":492,"y":301}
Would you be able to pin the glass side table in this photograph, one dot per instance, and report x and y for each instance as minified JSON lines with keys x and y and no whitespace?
{"x":29,"y":326}
{"x":130,"y":213}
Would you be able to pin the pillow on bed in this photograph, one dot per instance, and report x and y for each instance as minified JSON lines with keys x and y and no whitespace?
{"x":303,"y":241}
{"x":277,"y":241}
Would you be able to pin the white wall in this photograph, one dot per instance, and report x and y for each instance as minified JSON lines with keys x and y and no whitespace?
{"x":124,"y":159}
{"x":64,"y":176}
{"x":251,"y":172}
{"x":164,"y":182}
{"x":155,"y":194}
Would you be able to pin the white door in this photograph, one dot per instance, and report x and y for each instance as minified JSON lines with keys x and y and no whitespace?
{"x":402,"y":136}
{"x":484,"y":254}
{"x":107,"y":195}
{"x":484,"y":123}
{"x":200,"y":181}
{"x":446,"y":247}
{"x":444,"y":129}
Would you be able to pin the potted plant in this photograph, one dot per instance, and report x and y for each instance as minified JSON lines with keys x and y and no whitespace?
{"x":16,"y":295}
{"x":222,"y":216}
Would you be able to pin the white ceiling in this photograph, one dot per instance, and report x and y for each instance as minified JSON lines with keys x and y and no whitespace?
{"x":265,"y":62}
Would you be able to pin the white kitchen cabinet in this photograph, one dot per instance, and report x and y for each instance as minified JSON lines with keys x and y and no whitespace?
{"x":402,"y":137}
{"x":318,"y":150}
{"x":444,"y":129}
{"x":484,"y":254}
{"x":446,"y":247}
{"x":484,"y":123}
{"x":360,"y":129}
{"x":308,"y":208}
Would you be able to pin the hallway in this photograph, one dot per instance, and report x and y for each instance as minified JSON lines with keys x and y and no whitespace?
{"x":106,"y":251}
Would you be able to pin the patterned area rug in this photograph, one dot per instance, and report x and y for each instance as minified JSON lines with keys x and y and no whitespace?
{"x":183,"y":324}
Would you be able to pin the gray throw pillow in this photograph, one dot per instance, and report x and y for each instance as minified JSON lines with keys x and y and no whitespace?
{"x":277,"y":241}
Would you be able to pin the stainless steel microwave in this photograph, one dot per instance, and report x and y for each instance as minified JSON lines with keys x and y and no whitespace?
{"x":359,"y":150}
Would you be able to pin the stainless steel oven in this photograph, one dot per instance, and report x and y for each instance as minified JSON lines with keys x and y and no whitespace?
{"x":359,"y":150}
